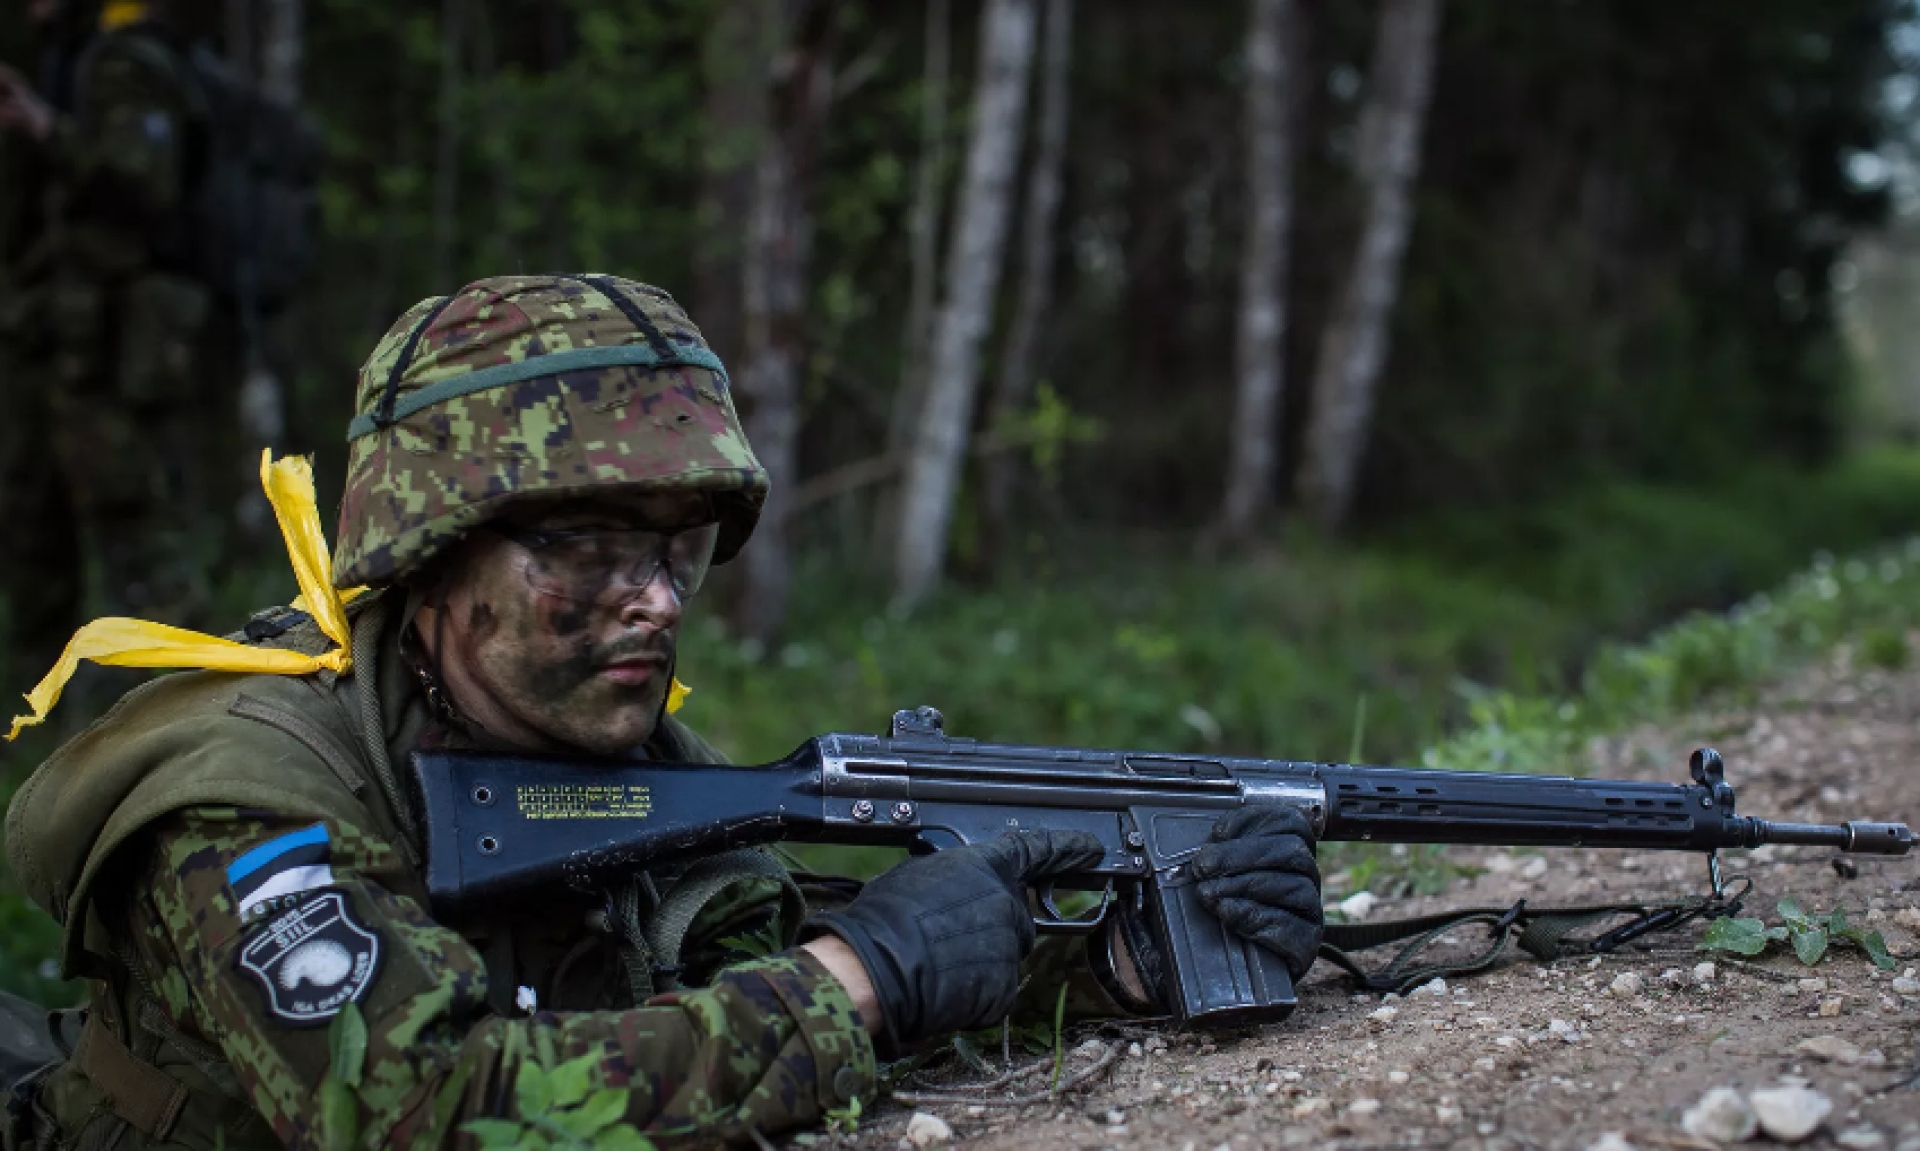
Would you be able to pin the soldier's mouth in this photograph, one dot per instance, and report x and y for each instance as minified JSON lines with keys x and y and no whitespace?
{"x":632,"y":671}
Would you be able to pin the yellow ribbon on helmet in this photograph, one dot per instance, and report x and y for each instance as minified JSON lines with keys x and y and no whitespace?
{"x":120,"y":642}
{"x":117,"y":14}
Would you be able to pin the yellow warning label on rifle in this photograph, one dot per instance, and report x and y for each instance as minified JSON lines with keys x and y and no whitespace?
{"x":584,"y":800}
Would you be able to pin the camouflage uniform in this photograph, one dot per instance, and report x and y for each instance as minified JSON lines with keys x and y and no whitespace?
{"x":120,"y":460}
{"x":154,"y":835}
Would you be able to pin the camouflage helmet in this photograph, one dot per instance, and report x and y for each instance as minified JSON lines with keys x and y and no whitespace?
{"x":534,"y":385}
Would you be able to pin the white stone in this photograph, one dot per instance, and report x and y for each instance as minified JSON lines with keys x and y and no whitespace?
{"x":1672,"y":975}
{"x":1447,"y":1115}
{"x":1485,"y":1063}
{"x":1358,"y":905}
{"x":1116,"y":1118}
{"x":1861,"y":1138}
{"x":1626,"y":985}
{"x":1611,"y":1141}
{"x":1722,"y":1115}
{"x":1705,"y":973}
{"x":1564,"y":1031}
{"x":1363,"y":1106}
{"x":1906,"y":986}
{"x":1434,"y":987}
{"x":1908,"y":917}
{"x":1790,"y":1114}
{"x":1535,"y":868}
{"x":1828,"y":1047}
{"x":1384,"y":1015}
{"x":926,"y":1129}
{"x":1134,"y":1051}
{"x":1830,"y":1008}
{"x":1399,"y":1078}
{"x":1813,"y":985}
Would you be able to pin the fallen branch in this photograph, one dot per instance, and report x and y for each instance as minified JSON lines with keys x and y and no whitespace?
{"x":1078,"y":1079}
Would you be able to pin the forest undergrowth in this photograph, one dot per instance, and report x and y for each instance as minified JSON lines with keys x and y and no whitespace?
{"x":1489,"y":642}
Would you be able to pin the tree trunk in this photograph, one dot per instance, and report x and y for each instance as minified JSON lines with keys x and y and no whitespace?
{"x":923,"y":253}
{"x":281,"y":49}
{"x":775,"y":266}
{"x":973,"y":267}
{"x":1353,"y":348}
{"x":1021,"y":358}
{"x":1260,"y":334}
{"x":736,"y":60}
{"x":446,"y":160}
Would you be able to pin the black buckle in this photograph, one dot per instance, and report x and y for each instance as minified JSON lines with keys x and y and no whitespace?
{"x":1506,"y":921}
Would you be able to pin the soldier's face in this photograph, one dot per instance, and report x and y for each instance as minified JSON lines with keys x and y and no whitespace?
{"x":554,"y":673}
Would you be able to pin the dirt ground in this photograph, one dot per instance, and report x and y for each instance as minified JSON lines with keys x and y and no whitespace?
{"x":1528,"y":1056}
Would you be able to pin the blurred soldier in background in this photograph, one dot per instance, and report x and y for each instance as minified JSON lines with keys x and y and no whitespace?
{"x":120,"y":376}
{"x":159,"y":206}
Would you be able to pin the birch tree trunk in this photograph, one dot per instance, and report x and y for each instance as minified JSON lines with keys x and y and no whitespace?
{"x":1353,"y":348}
{"x":282,"y":46}
{"x":1020,"y":358}
{"x":1261,"y":330}
{"x":774,"y":272}
{"x":737,"y":59}
{"x":446,"y":160}
{"x":973,"y":268}
{"x":923,"y":253}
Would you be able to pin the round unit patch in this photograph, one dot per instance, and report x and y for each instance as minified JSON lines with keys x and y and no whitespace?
{"x":312,"y":960}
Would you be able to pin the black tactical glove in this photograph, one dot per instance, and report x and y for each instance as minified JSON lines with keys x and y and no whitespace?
{"x":1258,"y":874}
{"x":942,"y":936}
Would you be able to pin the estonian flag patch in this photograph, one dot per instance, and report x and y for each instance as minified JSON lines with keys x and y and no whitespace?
{"x":266,"y":877}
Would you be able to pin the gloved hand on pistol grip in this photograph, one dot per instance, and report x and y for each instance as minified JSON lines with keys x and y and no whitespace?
{"x":942,"y":935}
{"x":1258,"y":875}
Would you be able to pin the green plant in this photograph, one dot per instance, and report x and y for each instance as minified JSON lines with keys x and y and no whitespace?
{"x":1809,"y":935}
{"x":562,"y":1107}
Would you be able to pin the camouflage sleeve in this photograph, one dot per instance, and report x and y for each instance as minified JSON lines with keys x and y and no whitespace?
{"x":122,"y":157}
{"x":258,"y":932}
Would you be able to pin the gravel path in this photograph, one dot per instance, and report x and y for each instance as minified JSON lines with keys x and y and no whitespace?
{"x":1579,"y":1056}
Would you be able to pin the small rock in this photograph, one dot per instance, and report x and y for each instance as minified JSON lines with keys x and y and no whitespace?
{"x":1722,"y":1115}
{"x":1499,"y":864}
{"x":1091,"y":1049}
{"x":1813,"y":985}
{"x":1506,"y":1041}
{"x":1535,"y":868}
{"x":1673,"y":975}
{"x":1116,"y":1118}
{"x":1861,"y":1138}
{"x":1433,"y":987}
{"x":1363,"y":1106}
{"x":926,"y":1129}
{"x":1830,"y":1007}
{"x":1611,"y":1141}
{"x":1626,"y":985}
{"x":1908,"y":917}
{"x":1828,"y":1047}
{"x":1790,"y":1114}
{"x":1359,"y":905}
{"x":1704,"y":973}
{"x":1564,"y":1031}
{"x":1485,"y":1063}
{"x":1384,"y":1015}
{"x":1398,"y":1078}
{"x":1447,"y":1114}
{"x":1905,"y":985}
{"x":1134,"y":1051}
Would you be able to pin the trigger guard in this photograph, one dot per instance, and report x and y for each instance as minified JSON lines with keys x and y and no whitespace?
{"x":1055,"y":923}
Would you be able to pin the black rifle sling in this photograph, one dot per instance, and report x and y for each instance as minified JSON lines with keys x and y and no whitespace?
{"x":1546,"y":933}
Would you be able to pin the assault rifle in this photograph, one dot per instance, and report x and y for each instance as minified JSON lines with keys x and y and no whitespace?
{"x":500,"y":825}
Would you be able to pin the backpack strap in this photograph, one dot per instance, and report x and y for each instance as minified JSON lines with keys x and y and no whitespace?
{"x":146,"y":1097}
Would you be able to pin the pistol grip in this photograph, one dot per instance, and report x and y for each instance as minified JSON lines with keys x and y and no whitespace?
{"x":1217,"y":979}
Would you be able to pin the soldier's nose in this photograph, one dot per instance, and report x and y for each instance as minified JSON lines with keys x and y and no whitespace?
{"x":657,"y":606}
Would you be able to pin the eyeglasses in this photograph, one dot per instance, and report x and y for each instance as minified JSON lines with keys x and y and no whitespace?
{"x":610,"y":568}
